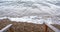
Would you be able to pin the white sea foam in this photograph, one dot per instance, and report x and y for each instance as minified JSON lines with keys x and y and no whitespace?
{"x":31,"y":19}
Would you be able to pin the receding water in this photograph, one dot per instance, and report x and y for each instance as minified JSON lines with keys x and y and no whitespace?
{"x":16,"y":10}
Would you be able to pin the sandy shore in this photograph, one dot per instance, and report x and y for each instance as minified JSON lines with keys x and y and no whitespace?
{"x":23,"y":27}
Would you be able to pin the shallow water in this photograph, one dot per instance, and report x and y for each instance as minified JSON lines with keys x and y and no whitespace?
{"x":14,"y":8}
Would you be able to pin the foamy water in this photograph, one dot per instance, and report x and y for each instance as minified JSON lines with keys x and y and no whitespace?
{"x":31,"y":19}
{"x":17,"y":8}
